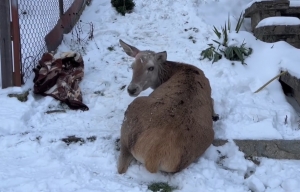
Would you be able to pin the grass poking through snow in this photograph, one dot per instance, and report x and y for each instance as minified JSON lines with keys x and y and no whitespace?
{"x":161,"y":187}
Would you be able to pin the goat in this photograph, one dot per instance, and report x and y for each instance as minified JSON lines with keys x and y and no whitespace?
{"x":173,"y":126}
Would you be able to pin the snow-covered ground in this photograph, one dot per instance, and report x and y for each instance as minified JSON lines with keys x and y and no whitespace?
{"x":33,"y":158}
{"x":294,"y":3}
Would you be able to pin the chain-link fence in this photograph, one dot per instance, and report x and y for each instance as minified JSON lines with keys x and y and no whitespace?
{"x":37,"y":18}
{"x":67,"y":4}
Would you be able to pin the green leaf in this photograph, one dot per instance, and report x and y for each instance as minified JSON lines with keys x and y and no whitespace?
{"x":225,"y":36}
{"x":217,"y":57}
{"x":217,"y":32}
{"x":239,"y":54}
{"x":239,"y":23}
{"x":217,"y":42}
{"x":207,"y":53}
{"x":249,"y":52}
{"x":228,"y":52}
{"x":229,"y":24}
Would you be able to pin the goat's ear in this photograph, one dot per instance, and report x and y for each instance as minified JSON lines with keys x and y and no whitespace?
{"x":129,"y":50}
{"x":161,"y":56}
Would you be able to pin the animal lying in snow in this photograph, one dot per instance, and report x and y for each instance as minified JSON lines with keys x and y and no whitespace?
{"x":173,"y":126}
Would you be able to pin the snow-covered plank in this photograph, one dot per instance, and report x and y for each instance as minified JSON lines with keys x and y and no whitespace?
{"x":278,"y":21}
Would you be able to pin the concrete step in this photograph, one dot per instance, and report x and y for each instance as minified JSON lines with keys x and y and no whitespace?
{"x":275,"y":149}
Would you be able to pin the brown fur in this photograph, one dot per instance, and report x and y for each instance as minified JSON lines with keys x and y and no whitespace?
{"x":172,"y":127}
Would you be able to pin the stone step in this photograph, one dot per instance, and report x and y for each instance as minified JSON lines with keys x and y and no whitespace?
{"x":278,"y":30}
{"x":275,"y":33}
{"x":274,"y":149}
{"x":263,"y":9}
{"x":261,"y":6}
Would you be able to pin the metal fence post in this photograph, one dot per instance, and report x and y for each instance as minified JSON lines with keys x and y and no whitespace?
{"x":61,"y":8}
{"x":5,"y":45}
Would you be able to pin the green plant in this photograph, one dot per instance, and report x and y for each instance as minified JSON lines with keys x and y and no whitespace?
{"x":235,"y":53}
{"x":161,"y":187}
{"x":226,"y":29}
{"x":99,"y":93}
{"x":123,"y":6}
{"x":23,"y":97}
{"x":211,"y":54}
{"x":232,"y":53}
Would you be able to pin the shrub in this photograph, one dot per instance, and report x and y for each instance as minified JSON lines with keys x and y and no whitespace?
{"x":123,"y":6}
{"x":232,"y":53}
{"x":235,"y":53}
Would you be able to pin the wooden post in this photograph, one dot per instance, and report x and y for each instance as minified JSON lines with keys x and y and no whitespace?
{"x":5,"y":45}
{"x":17,"y":79}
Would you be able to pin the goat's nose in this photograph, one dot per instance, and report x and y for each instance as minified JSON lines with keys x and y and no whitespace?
{"x":131,"y":90}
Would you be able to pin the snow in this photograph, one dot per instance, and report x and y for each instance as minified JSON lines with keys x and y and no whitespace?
{"x":254,"y":1}
{"x":255,"y":184}
{"x":294,"y":3}
{"x":278,"y":21}
{"x":33,"y":157}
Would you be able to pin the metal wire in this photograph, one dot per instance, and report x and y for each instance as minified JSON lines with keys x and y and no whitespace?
{"x":36,"y":18}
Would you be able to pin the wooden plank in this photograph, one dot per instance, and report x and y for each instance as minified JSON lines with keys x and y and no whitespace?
{"x":71,"y":16}
{"x":294,"y":83}
{"x":291,"y":80}
{"x":274,"y":149}
{"x":64,"y":25}
{"x":54,"y":38}
{"x":5,"y":45}
{"x":17,"y":77}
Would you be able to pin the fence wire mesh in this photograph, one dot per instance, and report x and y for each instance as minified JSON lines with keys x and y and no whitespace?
{"x":36,"y":18}
{"x":67,"y":4}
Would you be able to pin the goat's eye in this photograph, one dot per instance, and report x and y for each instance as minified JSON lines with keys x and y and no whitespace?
{"x":150,"y":68}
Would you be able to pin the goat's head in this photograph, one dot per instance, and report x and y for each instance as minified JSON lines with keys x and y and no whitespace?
{"x":145,"y":68}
